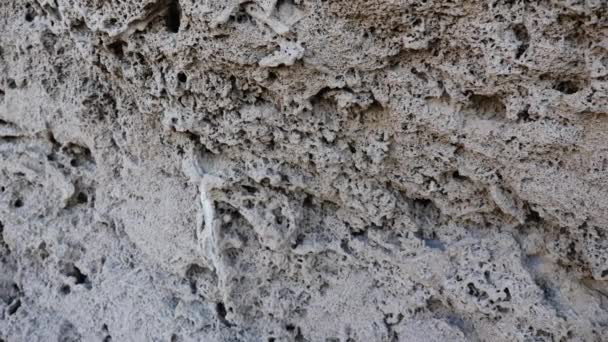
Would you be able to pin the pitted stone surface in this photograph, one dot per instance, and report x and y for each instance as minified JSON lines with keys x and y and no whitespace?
{"x":303,"y":170}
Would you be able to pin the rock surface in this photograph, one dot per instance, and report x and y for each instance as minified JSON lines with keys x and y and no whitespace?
{"x":303,"y":170}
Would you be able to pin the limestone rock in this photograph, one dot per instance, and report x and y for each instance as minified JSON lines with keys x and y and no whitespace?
{"x":303,"y":170}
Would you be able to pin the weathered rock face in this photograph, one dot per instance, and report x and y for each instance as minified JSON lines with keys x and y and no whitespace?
{"x":299,"y":170}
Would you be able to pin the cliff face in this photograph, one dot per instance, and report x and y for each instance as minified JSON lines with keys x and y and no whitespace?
{"x":299,"y":170}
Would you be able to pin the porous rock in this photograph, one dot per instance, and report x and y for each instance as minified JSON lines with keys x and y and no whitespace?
{"x":303,"y":170}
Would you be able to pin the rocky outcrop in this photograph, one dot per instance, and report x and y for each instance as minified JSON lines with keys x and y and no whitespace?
{"x":299,"y":170}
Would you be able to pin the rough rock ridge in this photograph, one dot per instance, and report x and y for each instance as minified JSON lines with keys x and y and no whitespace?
{"x":303,"y":170}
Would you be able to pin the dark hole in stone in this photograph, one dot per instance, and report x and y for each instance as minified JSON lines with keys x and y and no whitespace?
{"x":192,"y":273}
{"x":182,"y":77}
{"x":487,"y":106}
{"x":524,"y":115}
{"x":80,"y":278}
{"x":173,"y":18}
{"x":345,"y":247}
{"x":82,"y":198}
{"x":11,"y":83}
{"x":308,"y":202}
{"x":521,"y":50}
{"x":43,"y":251}
{"x":18,"y":203}
{"x":473,"y":291}
{"x":423,"y":202}
{"x":220,"y":309}
{"x":117,"y":48}
{"x":65,"y":289}
{"x":29,"y":17}
{"x":12,"y":309}
{"x":299,"y":337}
{"x":250,"y":189}
{"x":533,"y":216}
{"x":501,"y":309}
{"x":357,"y":233}
{"x":299,"y":240}
{"x":458,"y":176}
{"x":521,"y":33}
{"x":567,"y":87}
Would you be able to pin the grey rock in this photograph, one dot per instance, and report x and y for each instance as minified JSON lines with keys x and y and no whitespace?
{"x":303,"y":170}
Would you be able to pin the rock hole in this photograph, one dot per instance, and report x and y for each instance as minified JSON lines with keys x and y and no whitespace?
{"x":307,"y":203}
{"x":250,"y":189}
{"x":279,"y":218}
{"x":181,"y":76}
{"x":81,"y":155}
{"x":345,"y":247}
{"x":192,"y":273}
{"x":524,"y":115}
{"x":80,"y":278}
{"x":82,"y":198}
{"x":18,"y":203}
{"x":65,"y":290}
{"x":473,"y":291}
{"x":173,"y":18}
{"x":220,"y":309}
{"x":487,"y":106}
{"x":521,"y":33}
{"x":521,"y":50}
{"x":456,"y":175}
{"x":299,"y":240}
{"x":358,"y":233}
{"x":117,"y":48}
{"x":299,"y":337}
{"x":109,"y":23}
{"x":533,"y":216}
{"x":567,"y":87}
{"x":12,"y":309}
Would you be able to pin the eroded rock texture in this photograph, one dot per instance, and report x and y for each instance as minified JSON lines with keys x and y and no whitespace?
{"x":303,"y":170}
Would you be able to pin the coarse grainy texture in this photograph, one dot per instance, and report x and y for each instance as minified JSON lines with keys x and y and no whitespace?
{"x":303,"y":170}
